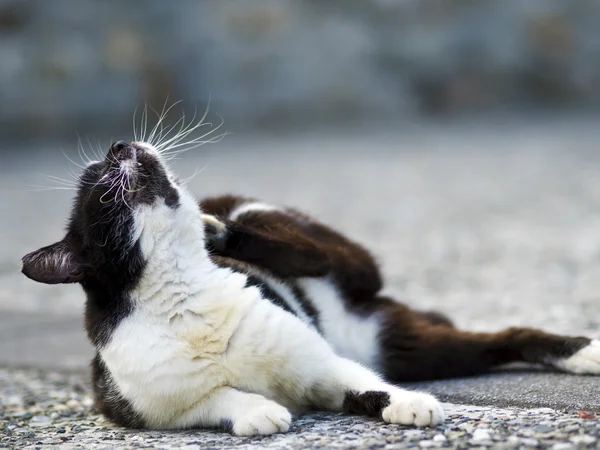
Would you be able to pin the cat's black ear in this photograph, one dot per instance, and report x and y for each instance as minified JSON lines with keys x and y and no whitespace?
{"x":53,"y":264}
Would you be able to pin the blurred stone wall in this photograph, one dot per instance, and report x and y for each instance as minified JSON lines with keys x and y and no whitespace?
{"x":269,"y":62}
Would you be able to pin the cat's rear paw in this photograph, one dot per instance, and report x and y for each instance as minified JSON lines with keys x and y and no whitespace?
{"x":584,"y":361}
{"x":269,"y":418}
{"x":414,"y":408}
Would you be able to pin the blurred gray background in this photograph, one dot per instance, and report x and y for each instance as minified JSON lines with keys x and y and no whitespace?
{"x":83,"y":65}
{"x":455,"y":138}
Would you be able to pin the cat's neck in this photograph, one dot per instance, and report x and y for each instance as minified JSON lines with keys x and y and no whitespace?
{"x":183,"y":277}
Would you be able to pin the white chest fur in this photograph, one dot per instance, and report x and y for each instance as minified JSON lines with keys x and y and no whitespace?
{"x":164,"y":360}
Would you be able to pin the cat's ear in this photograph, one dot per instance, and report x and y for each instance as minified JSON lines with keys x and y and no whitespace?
{"x":53,"y":264}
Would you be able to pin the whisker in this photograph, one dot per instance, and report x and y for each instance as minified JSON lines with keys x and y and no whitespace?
{"x":135,"y":138}
{"x":99,"y":152}
{"x":123,"y":175}
{"x":161,"y":117}
{"x":70,"y":160}
{"x":92,"y":150}
{"x":60,"y":180}
{"x":144,"y":123}
{"x":192,"y":176}
{"x":161,"y":142}
{"x":114,"y":183}
{"x":36,"y":188}
{"x":162,"y":135}
{"x":196,"y":142}
{"x":189,"y":129}
{"x":81,"y":151}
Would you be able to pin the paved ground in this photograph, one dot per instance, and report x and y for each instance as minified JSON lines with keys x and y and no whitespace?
{"x":495,"y":225}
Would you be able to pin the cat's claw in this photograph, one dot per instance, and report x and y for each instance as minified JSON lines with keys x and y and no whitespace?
{"x":413,"y":408}
{"x":267,"y":419}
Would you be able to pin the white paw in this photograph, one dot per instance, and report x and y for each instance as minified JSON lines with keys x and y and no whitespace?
{"x":414,"y":408}
{"x":585,"y":361}
{"x":213,"y":225}
{"x":268,"y":418}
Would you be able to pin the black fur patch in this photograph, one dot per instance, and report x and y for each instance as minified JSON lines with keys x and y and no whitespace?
{"x":369,"y":403}
{"x":226,"y":426}
{"x":306,"y":304}
{"x":109,"y":401}
{"x":268,"y":293}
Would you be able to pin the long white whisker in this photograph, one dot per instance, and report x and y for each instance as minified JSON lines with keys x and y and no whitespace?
{"x":114,"y":183}
{"x":37,"y":188}
{"x":123,"y":178}
{"x":162,"y":129}
{"x":196,"y":142}
{"x":192,"y":176}
{"x":85,"y":158}
{"x":60,"y":180}
{"x":98,"y":151}
{"x":135,"y":138}
{"x":161,"y":117}
{"x":144,"y":122}
{"x":70,"y":160}
{"x":191,"y":128}
{"x":182,"y":125}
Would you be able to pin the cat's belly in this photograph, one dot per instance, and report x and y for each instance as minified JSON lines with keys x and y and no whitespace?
{"x":351,"y":335}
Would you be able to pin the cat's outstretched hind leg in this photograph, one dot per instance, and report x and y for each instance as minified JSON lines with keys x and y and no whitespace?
{"x":436,"y":318}
{"x":413,"y":348}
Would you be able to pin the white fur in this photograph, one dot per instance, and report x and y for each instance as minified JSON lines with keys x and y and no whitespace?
{"x":251,"y":207}
{"x":585,"y":361}
{"x":351,"y":336}
{"x":200,"y":347}
{"x":287,"y":294}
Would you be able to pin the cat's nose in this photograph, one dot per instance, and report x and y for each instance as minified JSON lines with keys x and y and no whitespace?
{"x":116,"y":147}
{"x":121,"y":150}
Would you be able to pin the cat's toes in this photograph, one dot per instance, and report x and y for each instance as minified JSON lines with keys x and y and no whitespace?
{"x":266,"y":419}
{"x":413,"y":408}
{"x":584,"y":361}
{"x":212,"y":225}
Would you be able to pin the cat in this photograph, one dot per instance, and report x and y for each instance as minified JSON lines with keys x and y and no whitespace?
{"x":233,"y":313}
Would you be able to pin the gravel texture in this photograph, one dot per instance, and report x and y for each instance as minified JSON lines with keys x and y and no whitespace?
{"x":41,"y":409}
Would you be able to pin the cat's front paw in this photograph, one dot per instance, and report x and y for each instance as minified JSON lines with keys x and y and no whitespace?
{"x":215,"y":232}
{"x":584,"y":361}
{"x":269,"y":418}
{"x":413,"y":408}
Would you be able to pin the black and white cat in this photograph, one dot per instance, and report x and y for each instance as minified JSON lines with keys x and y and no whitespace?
{"x":233,"y":312}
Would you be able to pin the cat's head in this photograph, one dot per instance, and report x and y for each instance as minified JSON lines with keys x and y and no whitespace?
{"x":124,"y":207}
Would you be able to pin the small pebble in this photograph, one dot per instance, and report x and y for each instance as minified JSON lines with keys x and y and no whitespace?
{"x":40,"y":421}
{"x":481,"y":435}
{"x":562,"y":446}
{"x":584,"y":439}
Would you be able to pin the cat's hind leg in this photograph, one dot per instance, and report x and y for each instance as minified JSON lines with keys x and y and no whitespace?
{"x":436,"y":318}
{"x":413,"y":349}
